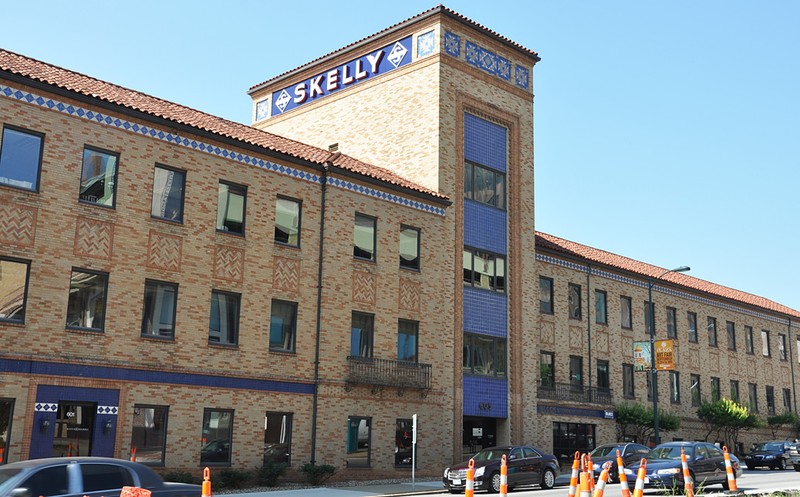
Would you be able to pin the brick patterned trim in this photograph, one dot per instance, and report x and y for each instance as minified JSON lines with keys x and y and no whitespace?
{"x":17,"y":224}
{"x":93,"y":238}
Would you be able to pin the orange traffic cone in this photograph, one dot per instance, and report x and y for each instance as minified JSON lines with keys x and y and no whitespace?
{"x":573,"y":481}
{"x":732,"y":488}
{"x":469,"y":491}
{"x":623,"y":478}
{"x":206,"y":490}
{"x":638,"y":489}
{"x":503,"y":477}
{"x":602,"y":480}
{"x":688,"y":484}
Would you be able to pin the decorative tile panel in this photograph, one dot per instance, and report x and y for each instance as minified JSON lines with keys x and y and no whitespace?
{"x":17,"y":224}
{"x":576,"y":337}
{"x":364,"y":287}
{"x":426,"y":43}
{"x":94,"y":238}
{"x":211,"y":149}
{"x":285,"y":273}
{"x":164,"y":251}
{"x":46,"y":407}
{"x":111,"y":410}
{"x":228,"y":263}
{"x":452,"y":44}
{"x":409,"y":295}
{"x":547,"y":332}
{"x":521,"y":77}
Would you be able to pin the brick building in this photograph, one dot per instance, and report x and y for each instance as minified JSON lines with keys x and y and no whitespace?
{"x":210,"y":293}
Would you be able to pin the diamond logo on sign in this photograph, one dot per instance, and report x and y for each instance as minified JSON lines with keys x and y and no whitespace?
{"x":283,"y":100}
{"x":397,"y":54}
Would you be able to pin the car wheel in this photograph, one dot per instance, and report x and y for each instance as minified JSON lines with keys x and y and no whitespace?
{"x":796,"y":467}
{"x":494,"y":483}
{"x":454,"y":491}
{"x":751,"y":467}
{"x":548,"y":479}
{"x":782,"y":464}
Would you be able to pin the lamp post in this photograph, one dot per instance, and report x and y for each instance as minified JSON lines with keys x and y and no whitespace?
{"x":651,"y":311}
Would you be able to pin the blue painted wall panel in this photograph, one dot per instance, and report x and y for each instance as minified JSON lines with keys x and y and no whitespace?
{"x":484,"y":396}
{"x":485,"y":142}
{"x":484,"y":227}
{"x":485,"y":312}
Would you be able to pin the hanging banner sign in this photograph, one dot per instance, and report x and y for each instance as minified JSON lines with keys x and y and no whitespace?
{"x":665,"y":355}
{"x":348,"y":74}
{"x":641,"y":356}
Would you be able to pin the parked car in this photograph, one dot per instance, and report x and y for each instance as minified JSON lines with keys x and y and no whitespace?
{"x":706,"y":464}
{"x":631,"y":453}
{"x":773,"y":455}
{"x":84,"y":476}
{"x":526,"y":466}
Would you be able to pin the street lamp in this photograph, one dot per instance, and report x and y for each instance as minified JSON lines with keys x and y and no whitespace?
{"x":651,"y":311}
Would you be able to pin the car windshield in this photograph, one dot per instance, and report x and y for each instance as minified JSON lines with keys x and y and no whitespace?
{"x":668,"y":452}
{"x":773,"y":446}
{"x":489,"y":455}
{"x":604,"y":450}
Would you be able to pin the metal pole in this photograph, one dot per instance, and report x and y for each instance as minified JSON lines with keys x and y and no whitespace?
{"x":654,"y":382}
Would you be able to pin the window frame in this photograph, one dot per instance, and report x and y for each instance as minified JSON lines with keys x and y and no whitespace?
{"x":787,"y":400}
{"x":178,"y":219}
{"x":546,"y":307}
{"x":158,"y":284}
{"x":356,"y":248}
{"x":572,"y":290}
{"x":142,"y":458}
{"x":766,"y":346}
{"x":413,"y":326}
{"x":494,"y":278}
{"x":416,"y":264}
{"x":498,"y":350}
{"x":7,"y":402}
{"x":206,"y":417}
{"x":672,"y":322}
{"x":711,"y":325}
{"x":41,"y":137}
{"x":547,"y":377}
{"x":470,"y":167}
{"x":749,"y":343}
{"x":600,"y":307}
{"x":27,"y":264}
{"x":695,"y":389}
{"x":603,"y":369}
{"x":287,"y":426}
{"x":628,"y":382}
{"x":730,"y":331}
{"x":576,"y":361}
{"x":368,"y":445}
{"x":369,"y":335}
{"x":298,"y":228}
{"x":736,"y":393}
{"x":626,"y":303}
{"x":675,"y":387}
{"x":691,"y":322}
{"x":649,"y":313}
{"x":782,"y":352}
{"x":105,"y":276}
{"x":238,"y":300}
{"x":236,"y":189}
{"x":752,"y":393}
{"x":716,"y":389}
{"x":770,"y":396}
{"x":292,"y":328}
{"x":97,"y":150}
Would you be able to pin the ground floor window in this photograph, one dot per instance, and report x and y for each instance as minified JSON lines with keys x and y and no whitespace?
{"x":277,"y":437}
{"x":149,"y":434}
{"x":6,"y":412}
{"x":359,"y":433}
{"x":404,"y":443}
{"x":217,"y":436}
{"x":478,"y":434}
{"x":569,"y":438}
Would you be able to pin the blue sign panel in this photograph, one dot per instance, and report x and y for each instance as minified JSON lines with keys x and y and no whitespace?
{"x":361,"y":69}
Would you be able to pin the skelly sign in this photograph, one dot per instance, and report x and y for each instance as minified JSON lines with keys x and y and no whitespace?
{"x":343,"y":76}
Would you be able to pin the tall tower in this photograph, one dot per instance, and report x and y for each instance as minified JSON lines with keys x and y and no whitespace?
{"x":448,"y":104}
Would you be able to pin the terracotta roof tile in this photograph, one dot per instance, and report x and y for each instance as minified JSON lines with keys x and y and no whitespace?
{"x":566,"y":247}
{"x":130,"y":99}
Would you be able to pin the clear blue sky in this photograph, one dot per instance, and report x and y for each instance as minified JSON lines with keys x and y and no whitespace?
{"x":667,"y":131}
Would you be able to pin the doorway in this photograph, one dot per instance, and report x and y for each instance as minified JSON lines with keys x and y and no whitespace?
{"x":74,"y":426}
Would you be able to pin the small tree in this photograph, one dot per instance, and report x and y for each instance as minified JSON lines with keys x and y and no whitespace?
{"x":788,"y":419}
{"x":634,"y":421}
{"x":727,"y":418}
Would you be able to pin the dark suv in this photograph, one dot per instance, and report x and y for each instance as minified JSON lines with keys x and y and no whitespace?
{"x":774,"y":455}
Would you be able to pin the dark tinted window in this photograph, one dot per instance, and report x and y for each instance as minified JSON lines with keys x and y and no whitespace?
{"x":48,"y":481}
{"x":98,"y":477}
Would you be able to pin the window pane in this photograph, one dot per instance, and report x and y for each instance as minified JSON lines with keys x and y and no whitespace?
{"x":358,"y":441}
{"x":364,"y":238}
{"x":403,"y":442}
{"x":48,"y":481}
{"x":545,"y":295}
{"x":168,"y":194}
{"x":499,"y":191}
{"x":547,"y":369}
{"x":603,"y":380}
{"x":87,"y":300}
{"x":98,"y":177}
{"x":277,"y":437}
{"x":6,"y":414}
{"x":361,"y":335}
{"x":99,"y":477}
{"x":468,"y":185}
{"x":691,"y":319}
{"x":409,"y":248}
{"x":149,"y":434}
{"x":600,"y":307}
{"x":672,"y":331}
{"x":13,"y":290}
{"x":287,"y":222}
{"x":159,"y":309}
{"x":231,"y":208}
{"x":20,"y":159}
{"x":407,"y":334}
{"x":625,"y":313}
{"x":282,"y":326}
{"x":224,"y":322}
{"x":574,"y":301}
{"x":765,"y":343}
{"x":217,"y":436}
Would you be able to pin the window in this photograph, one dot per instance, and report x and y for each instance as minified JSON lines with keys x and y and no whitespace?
{"x":6,"y":415}
{"x":735,"y":390}
{"x":86,"y":308}
{"x":48,"y":481}
{"x":672,"y":322}
{"x":765,"y":343}
{"x":99,"y":177}
{"x":13,"y":289}
{"x":231,"y":208}
{"x":649,"y":312}
{"x":712,"y":331}
{"x":158,"y":318}
{"x":149,"y":435}
{"x":628,"y":390}
{"x":782,"y":346}
{"x":547,"y":369}
{"x":359,"y":434}
{"x":223,"y":326}
{"x":484,"y":185}
{"x":99,"y":477}
{"x":770,"y":391}
{"x":752,"y":389}
{"x":787,"y":403}
{"x":691,"y":320}
{"x":716,"y":392}
{"x":403,"y":442}
{"x":282,"y":326}
{"x":600,"y":308}
{"x":484,"y":355}
{"x":730,"y":329}
{"x":278,"y":437}
{"x":603,"y":380}
{"x":748,"y":340}
{"x":626,"y":319}
{"x":484,"y":270}
{"x":361,"y":335}
{"x":217,"y":437}
{"x":575,"y":370}
{"x":694,"y":389}
{"x":364,"y":237}
{"x":407,"y":337}
{"x":574,"y":301}
{"x":409,"y":248}
{"x":287,"y":221}
{"x":21,"y":158}
{"x":168,"y":186}
{"x":545,"y":295}
{"x":674,"y":387}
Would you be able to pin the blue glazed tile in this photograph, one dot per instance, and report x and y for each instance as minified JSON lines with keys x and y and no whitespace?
{"x":452,"y":44}
{"x":521,"y":77}
{"x":426,"y":43}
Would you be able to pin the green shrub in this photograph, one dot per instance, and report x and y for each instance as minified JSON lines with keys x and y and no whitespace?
{"x":316,"y":474}
{"x":268,"y":474}
{"x":232,"y":478}
{"x":181,"y":477}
